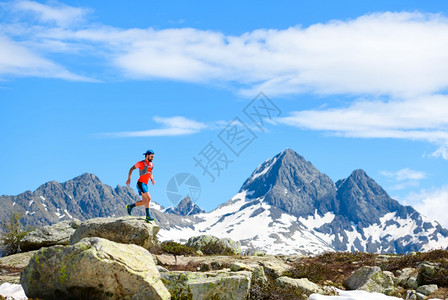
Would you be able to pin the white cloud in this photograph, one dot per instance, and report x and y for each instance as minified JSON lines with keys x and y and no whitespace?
{"x":174,"y":126}
{"x":420,"y":118}
{"x":404,"y":178}
{"x":59,"y":13}
{"x":394,"y":54}
{"x":441,"y":152}
{"x":16,"y":60}
{"x":432,"y":204}
{"x":404,"y":174}
{"x":400,"y":56}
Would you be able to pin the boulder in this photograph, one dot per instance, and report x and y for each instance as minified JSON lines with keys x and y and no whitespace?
{"x":235,"y":246}
{"x":258,"y":275}
{"x":12,"y":265}
{"x":199,"y":242}
{"x":412,"y":283}
{"x":19,"y":260}
{"x":301,"y":287}
{"x":429,"y":273}
{"x":171,"y":260}
{"x":404,"y":276}
{"x":370,"y":279}
{"x":208,"y":285}
{"x":57,"y":234}
{"x":427,"y":289}
{"x":238,"y":266}
{"x":94,"y":268}
{"x":125,"y":230}
{"x":275,"y":268}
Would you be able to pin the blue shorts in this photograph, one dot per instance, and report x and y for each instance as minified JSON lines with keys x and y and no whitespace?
{"x":142,"y":187}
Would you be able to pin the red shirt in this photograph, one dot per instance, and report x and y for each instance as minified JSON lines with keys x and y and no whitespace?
{"x":145,"y":168}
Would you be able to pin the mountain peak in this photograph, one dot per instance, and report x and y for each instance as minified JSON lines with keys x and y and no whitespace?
{"x":87,"y":177}
{"x":291,"y":183}
{"x":363,"y":200}
{"x":359,"y":174}
{"x":185,"y":207}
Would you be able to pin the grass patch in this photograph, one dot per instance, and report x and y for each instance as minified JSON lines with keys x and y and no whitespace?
{"x":270,"y":291}
{"x":216,"y":248}
{"x":333,"y":268}
{"x":173,"y":248}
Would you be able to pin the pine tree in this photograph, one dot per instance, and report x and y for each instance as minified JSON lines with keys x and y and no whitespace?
{"x":12,"y":233}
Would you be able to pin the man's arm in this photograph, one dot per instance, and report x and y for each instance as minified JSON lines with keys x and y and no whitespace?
{"x":152,"y":179}
{"x":128,"y":182}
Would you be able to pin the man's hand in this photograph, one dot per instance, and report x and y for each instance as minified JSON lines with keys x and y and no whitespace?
{"x":128,"y":182}
{"x":153,"y":182}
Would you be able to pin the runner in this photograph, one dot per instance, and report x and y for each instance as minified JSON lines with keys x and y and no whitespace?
{"x":145,"y":166}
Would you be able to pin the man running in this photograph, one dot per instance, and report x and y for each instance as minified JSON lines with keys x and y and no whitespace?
{"x":145,"y":166}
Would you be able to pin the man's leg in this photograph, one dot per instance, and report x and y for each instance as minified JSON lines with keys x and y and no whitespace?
{"x":142,"y":189}
{"x":146,"y":198}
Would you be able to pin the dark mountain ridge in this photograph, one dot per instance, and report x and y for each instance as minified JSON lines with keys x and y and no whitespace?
{"x":296,"y":202}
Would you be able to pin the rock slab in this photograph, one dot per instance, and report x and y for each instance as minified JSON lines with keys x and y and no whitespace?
{"x":370,"y":279}
{"x":125,"y":230}
{"x":218,"y":285}
{"x":94,"y":268}
{"x":199,"y":242}
{"x":57,"y":234}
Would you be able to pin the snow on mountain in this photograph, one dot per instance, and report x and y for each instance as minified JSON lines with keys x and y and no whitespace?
{"x":287,"y":206}
{"x":256,"y":224}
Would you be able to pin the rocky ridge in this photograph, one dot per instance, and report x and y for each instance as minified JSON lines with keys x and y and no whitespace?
{"x":286,"y":206}
{"x":72,"y":271}
{"x":185,"y":207}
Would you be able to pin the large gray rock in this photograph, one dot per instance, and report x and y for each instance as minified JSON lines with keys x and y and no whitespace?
{"x":125,"y":230}
{"x":370,"y":279}
{"x":94,"y":268}
{"x":217,"y":285}
{"x":427,"y":289}
{"x":57,"y":234}
{"x":302,"y":286}
{"x":199,"y":242}
{"x":405,"y":274}
{"x":275,"y":267}
{"x":428,"y":272}
{"x":12,"y":265}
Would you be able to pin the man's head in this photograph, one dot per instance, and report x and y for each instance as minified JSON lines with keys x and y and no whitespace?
{"x":149,"y":155}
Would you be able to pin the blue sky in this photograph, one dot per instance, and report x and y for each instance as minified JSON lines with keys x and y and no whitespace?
{"x":89,"y":86}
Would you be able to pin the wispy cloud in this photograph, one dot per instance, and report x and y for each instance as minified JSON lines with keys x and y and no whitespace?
{"x":396,"y":54}
{"x":420,"y":118}
{"x":431,"y":203}
{"x":58,"y":12}
{"x":404,"y":178}
{"x":173,"y":126}
{"x":17,"y":60}
{"x":404,"y":174}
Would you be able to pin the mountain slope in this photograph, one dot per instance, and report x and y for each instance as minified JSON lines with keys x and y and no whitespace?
{"x":83,"y":197}
{"x":287,"y":206}
{"x":292,"y":184}
{"x":185,"y":207}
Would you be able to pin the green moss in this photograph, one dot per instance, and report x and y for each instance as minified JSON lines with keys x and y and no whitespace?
{"x":62,"y":273}
{"x":213,"y":247}
{"x":177,"y":249}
